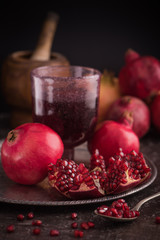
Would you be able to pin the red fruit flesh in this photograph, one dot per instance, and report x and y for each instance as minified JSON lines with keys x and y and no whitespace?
{"x":75,"y":180}
{"x":125,"y":171}
{"x":155,"y":112}
{"x":27,"y":151}
{"x":140,"y":76}
{"x":110,"y":137}
{"x":119,"y":209}
{"x":137,"y":108}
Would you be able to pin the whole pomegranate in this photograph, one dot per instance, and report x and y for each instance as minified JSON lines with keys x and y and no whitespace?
{"x":140,"y":76}
{"x":111,"y":136}
{"x":135,"y":106}
{"x":155,"y":111}
{"x":27,"y":151}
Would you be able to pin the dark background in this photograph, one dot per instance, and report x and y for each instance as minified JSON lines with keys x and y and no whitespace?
{"x":94,"y":36}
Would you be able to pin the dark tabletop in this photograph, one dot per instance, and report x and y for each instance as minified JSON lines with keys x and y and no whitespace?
{"x":59,"y":217}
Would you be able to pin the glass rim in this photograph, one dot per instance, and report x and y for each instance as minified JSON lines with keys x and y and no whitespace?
{"x":34,"y":72}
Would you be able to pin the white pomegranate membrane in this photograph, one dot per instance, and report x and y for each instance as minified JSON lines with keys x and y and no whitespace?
{"x":118,"y":209}
{"x":75,"y":181}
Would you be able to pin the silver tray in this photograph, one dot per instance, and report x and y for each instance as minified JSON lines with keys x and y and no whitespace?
{"x":41,"y":194}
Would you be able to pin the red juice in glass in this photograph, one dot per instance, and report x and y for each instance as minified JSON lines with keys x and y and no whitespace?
{"x":66,"y":99}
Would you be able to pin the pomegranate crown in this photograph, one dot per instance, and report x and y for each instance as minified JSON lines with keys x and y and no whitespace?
{"x":131,"y":55}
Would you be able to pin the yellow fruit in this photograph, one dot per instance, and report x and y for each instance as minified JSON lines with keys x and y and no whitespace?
{"x":109,"y":92}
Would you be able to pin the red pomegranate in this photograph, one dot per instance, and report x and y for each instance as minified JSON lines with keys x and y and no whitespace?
{"x":140,"y":76}
{"x":27,"y":151}
{"x":137,"y":108}
{"x":155,"y":111}
{"x":75,"y":181}
{"x":113,"y":135}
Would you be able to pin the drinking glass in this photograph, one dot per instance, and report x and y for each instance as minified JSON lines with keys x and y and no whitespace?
{"x":65,"y":98}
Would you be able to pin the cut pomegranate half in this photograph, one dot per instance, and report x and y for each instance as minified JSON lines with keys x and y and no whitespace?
{"x":126,"y":171}
{"x":75,"y":180}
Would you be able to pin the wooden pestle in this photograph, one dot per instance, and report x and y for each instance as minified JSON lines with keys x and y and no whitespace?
{"x":43,"y":49}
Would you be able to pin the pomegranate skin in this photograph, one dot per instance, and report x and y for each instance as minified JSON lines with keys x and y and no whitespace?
{"x":155,"y":112}
{"x":110,"y":137}
{"x":137,"y":108}
{"x":27,"y":151}
{"x":140,"y":76}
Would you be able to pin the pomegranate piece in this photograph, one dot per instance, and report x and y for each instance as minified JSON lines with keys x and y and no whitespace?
{"x":74,"y":225}
{"x":20,"y":217}
{"x":74,"y":215}
{"x":137,"y":108}
{"x":78,"y":233}
{"x":113,"y":135}
{"x":140,"y":76}
{"x":54,"y":232}
{"x":10,"y":228}
{"x":27,"y":151}
{"x":125,"y":171}
{"x":158,"y":219}
{"x":30,"y":215}
{"x":36,"y":231}
{"x":155,"y":111}
{"x":37,"y":223}
{"x":91,"y":224}
{"x":84,"y":225}
{"x":75,"y":180}
{"x":119,"y":209}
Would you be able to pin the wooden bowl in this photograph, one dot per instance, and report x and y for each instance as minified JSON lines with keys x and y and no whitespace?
{"x":16,"y":79}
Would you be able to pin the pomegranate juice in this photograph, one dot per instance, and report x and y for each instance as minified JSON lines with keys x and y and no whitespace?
{"x":72,"y":113}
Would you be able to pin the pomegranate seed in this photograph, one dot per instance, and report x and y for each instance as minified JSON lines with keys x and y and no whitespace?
{"x":74,"y":215}
{"x":36,"y":231}
{"x":10,"y":228}
{"x":74,"y":225}
{"x":78,"y":233}
{"x":20,"y":217}
{"x":54,"y":232}
{"x":30,"y":215}
{"x":84,"y":225}
{"x":37,"y":222}
{"x":157,"y":219}
{"x":91,"y":224}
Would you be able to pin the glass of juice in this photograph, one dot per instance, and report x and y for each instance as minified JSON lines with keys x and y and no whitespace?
{"x":65,"y":98}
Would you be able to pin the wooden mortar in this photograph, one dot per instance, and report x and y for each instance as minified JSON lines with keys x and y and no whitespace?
{"x":15,"y":77}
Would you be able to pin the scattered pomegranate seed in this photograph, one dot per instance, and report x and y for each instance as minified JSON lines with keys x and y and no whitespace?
{"x":36,"y":231}
{"x":54,"y":232}
{"x":84,"y":225}
{"x":74,"y":225}
{"x":78,"y":233}
{"x":10,"y":228}
{"x":20,"y":217}
{"x":30,"y":215}
{"x":157,"y":219}
{"x":74,"y":215}
{"x":91,"y":224}
{"x":37,"y":222}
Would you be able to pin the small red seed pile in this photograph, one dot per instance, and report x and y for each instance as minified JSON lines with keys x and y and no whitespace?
{"x":119,"y":209}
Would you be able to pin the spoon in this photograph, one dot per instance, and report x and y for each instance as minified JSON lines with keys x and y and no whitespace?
{"x":135,"y":208}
